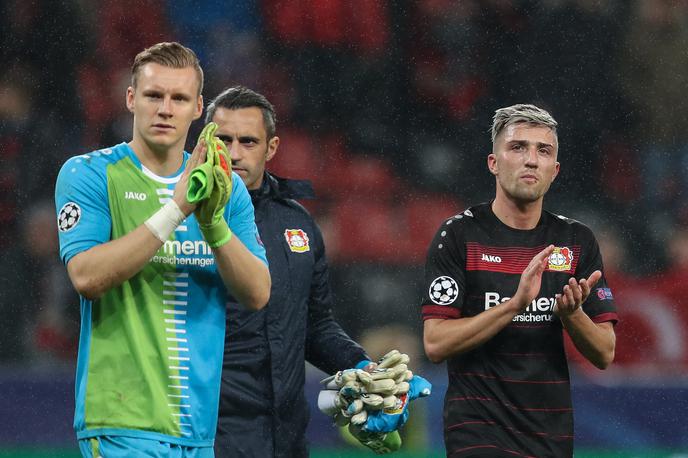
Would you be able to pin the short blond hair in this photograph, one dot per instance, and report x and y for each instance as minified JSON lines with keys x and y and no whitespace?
{"x":521,"y":113}
{"x":169,"y":54}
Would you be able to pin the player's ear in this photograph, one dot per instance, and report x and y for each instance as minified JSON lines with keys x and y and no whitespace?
{"x":492,"y":164}
{"x":199,"y":107}
{"x":273,"y":143}
{"x":130,"y":99}
{"x":556,"y":170}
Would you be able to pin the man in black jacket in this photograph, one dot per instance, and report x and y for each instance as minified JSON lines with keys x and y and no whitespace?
{"x":263,"y":410}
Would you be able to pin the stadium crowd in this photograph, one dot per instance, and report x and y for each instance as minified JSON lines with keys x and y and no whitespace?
{"x":384,"y":106}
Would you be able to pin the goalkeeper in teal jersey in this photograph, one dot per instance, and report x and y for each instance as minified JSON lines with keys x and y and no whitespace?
{"x":155,"y":271}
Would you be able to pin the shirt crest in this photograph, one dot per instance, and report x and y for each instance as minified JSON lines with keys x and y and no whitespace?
{"x":297,"y":239}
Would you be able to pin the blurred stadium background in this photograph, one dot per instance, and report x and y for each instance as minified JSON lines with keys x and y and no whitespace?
{"x":385,"y":105}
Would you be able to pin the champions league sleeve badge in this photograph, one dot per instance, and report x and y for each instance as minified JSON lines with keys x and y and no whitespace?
{"x":297,"y":240}
{"x":561,"y":259}
{"x":69,"y":217}
{"x":443,"y":290}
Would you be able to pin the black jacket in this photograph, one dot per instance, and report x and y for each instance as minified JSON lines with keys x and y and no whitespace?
{"x":263,"y":410}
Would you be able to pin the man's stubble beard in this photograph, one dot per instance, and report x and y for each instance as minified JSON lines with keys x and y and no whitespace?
{"x":525,"y":194}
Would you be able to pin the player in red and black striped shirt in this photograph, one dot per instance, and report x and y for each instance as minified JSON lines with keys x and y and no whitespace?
{"x":502,"y":280}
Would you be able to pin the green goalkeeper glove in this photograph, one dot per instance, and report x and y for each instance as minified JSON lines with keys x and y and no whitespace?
{"x":201,"y":178}
{"x":211,"y":184}
{"x":380,"y":443}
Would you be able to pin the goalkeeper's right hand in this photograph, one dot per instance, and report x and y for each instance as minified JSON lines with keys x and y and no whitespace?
{"x":201,"y":178}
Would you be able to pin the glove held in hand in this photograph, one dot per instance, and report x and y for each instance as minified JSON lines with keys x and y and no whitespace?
{"x":211,"y":185}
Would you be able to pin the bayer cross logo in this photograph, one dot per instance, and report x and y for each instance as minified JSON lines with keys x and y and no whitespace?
{"x":69,"y":216}
{"x":560,"y":259}
{"x":443,"y":290}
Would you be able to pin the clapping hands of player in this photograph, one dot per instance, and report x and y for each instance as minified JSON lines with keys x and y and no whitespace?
{"x":210,"y":187}
{"x":180,"y":190}
{"x":531,"y":278}
{"x":574,"y":294}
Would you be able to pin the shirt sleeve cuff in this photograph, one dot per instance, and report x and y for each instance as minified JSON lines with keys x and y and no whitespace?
{"x":362,"y":364}
{"x":441,"y":312}
{"x":604,"y":317}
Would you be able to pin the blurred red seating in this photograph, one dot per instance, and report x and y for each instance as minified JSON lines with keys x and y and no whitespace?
{"x":296,"y":157}
{"x":362,"y":176}
{"x":378,"y":230}
{"x":366,"y":230}
{"x":424,"y":214}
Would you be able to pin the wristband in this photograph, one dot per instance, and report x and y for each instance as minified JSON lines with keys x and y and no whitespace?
{"x":163,"y":222}
{"x":217,"y":234}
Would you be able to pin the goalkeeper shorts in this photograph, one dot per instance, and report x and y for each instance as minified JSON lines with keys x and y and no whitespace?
{"x":126,"y":447}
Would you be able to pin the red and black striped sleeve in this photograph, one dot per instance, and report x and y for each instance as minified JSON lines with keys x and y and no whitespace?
{"x":599,"y":306}
{"x":444,"y":283}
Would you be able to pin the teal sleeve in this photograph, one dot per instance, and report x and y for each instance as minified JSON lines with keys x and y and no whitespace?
{"x":81,"y":203}
{"x":241,"y":219}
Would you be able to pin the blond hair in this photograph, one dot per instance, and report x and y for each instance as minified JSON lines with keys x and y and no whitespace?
{"x":168,"y":54}
{"x":521,"y":113}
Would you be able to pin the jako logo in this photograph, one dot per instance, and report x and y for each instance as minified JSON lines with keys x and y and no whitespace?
{"x":490,"y":258}
{"x":130,"y":195}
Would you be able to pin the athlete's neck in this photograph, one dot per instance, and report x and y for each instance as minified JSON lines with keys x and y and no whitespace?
{"x":160,"y":161}
{"x":517,"y":215}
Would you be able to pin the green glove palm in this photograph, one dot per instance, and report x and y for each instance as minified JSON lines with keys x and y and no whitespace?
{"x":201,"y":179}
{"x":211,"y":184}
{"x":380,"y":443}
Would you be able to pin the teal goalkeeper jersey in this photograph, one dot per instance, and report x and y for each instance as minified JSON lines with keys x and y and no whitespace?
{"x":150,"y":350}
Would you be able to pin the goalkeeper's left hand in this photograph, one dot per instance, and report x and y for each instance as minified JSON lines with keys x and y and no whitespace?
{"x":393,"y":418}
{"x":211,"y":184}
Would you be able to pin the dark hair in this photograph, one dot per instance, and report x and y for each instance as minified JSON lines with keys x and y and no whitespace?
{"x":242,"y":97}
{"x":169,"y":54}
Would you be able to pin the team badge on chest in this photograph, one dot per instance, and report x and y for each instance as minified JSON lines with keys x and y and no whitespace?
{"x":561,"y":259}
{"x":297,"y":240}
